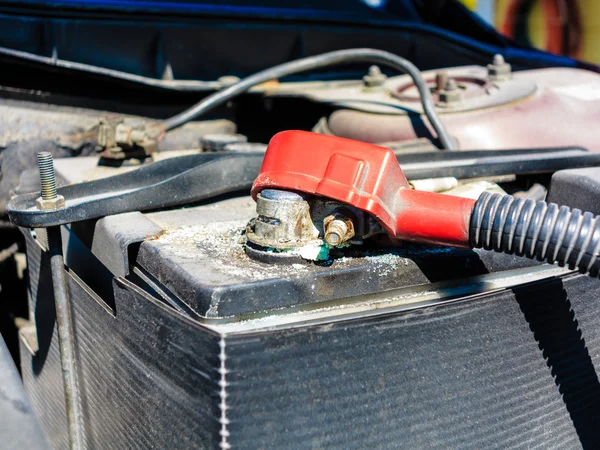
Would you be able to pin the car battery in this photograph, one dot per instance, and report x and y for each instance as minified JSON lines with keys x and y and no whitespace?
{"x":183,"y":340}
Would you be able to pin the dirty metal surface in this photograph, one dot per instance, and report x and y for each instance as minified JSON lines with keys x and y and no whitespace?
{"x":27,"y":128}
{"x":200,"y":258}
{"x":562,"y":111}
{"x":399,"y":96}
{"x":71,"y":127}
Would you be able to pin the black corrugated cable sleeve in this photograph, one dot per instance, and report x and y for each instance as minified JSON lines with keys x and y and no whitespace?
{"x":537,"y":230}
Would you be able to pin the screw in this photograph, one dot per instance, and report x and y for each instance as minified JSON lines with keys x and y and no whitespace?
{"x":47,"y":176}
{"x":441,"y":78}
{"x":50,"y":199}
{"x":337,"y":230}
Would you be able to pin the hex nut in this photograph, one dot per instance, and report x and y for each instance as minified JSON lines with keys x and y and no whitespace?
{"x":499,"y":70}
{"x":447,"y":97}
{"x":451,"y":93}
{"x":374,"y":78}
{"x":337,"y":229}
{"x":48,"y":205}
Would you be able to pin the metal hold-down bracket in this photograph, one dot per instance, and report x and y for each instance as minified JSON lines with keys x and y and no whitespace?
{"x":170,"y":182}
{"x":194,"y":178}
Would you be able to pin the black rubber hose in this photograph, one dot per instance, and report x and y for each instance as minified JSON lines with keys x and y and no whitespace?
{"x":359,"y":55}
{"x":537,"y":230}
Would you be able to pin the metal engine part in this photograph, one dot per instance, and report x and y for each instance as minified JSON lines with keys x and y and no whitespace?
{"x":473,"y":88}
{"x":490,"y":108}
{"x":187,"y":314}
{"x":291,"y":227}
{"x":26,"y":129}
{"x":283,"y":221}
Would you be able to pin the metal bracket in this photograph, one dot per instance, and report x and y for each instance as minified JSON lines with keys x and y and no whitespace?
{"x":171,"y":182}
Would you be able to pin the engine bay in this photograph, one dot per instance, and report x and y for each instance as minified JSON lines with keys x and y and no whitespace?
{"x":366,"y":274}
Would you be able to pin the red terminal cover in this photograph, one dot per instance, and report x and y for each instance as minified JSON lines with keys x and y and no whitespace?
{"x":367,"y":177}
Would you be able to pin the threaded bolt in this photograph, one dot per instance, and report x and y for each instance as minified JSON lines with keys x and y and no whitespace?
{"x":49,"y":199}
{"x":441,"y":78}
{"x":337,"y":230}
{"x":47,"y":175}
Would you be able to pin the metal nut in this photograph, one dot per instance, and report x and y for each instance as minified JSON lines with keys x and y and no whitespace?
{"x":48,"y":205}
{"x":374,"y":78}
{"x":451,"y":93}
{"x":337,"y":230}
{"x":499,"y":70}
{"x":123,"y":134}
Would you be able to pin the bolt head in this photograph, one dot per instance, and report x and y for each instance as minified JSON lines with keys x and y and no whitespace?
{"x":337,"y":230}
{"x":450,"y":94}
{"x":499,"y":70}
{"x":374,"y":77}
{"x":49,"y":205}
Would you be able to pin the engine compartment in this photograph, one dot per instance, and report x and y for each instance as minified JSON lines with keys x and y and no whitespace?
{"x":191,"y":323}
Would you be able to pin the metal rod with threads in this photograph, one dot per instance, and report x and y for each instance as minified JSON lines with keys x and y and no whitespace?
{"x":64,"y":321}
{"x":47,"y":176}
